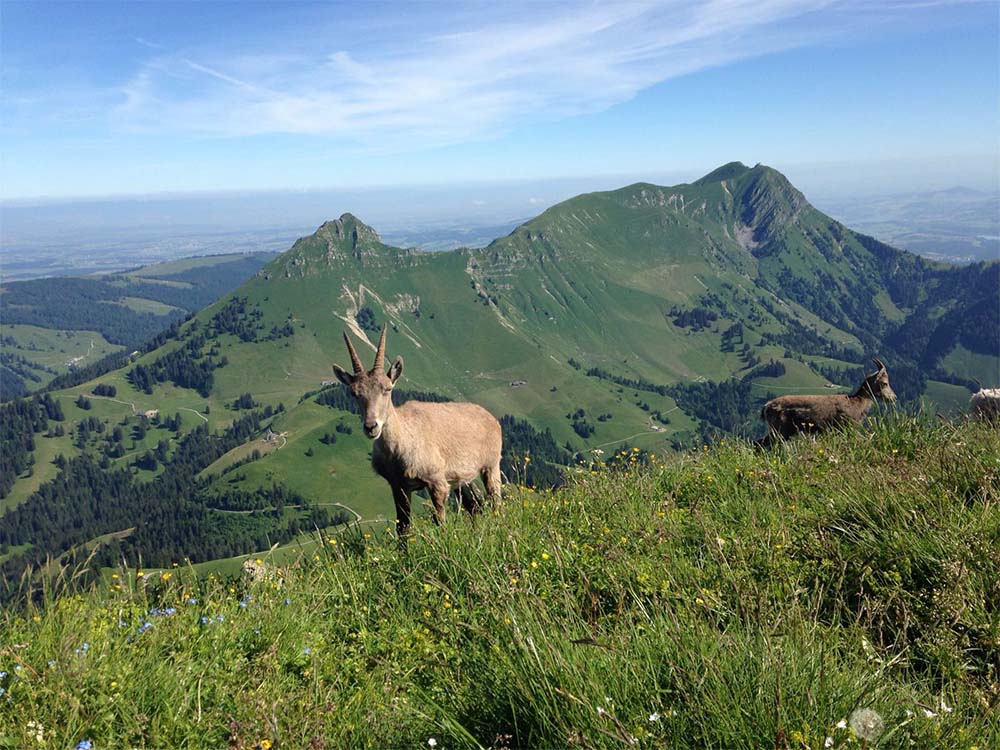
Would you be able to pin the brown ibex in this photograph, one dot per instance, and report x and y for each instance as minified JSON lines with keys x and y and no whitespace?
{"x":789,"y":415}
{"x":419,"y":445}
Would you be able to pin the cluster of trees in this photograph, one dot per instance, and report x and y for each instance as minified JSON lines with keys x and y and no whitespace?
{"x":581,"y":426}
{"x":244,"y":401}
{"x":547,"y":459}
{"x":697,"y":318}
{"x":19,"y":422}
{"x":16,"y":372}
{"x":171,"y":517}
{"x":102,"y":389}
{"x":238,"y":318}
{"x":84,"y":304}
{"x":366,"y":319}
{"x":186,"y":367}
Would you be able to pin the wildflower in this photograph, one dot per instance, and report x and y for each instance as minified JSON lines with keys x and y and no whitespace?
{"x":139,"y":574}
{"x":287,"y":601}
{"x":601,"y":711}
{"x":52,"y":663}
{"x":945,"y":707}
{"x":432,"y":742}
{"x":654,"y":717}
{"x":842,"y":724}
{"x":867,"y":724}
{"x":84,"y":745}
{"x":192,"y":600}
{"x":929,"y":714}
{"x":545,"y":555}
{"x":265,"y":744}
{"x":36,"y":728}
{"x":166,"y":575}
{"x":828,"y":742}
{"x":307,"y":651}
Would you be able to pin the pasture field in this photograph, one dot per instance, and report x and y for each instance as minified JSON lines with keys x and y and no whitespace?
{"x":834,"y":593}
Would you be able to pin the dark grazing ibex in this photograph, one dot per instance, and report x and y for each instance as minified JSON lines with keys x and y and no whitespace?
{"x":435,"y":446}
{"x":789,"y":415}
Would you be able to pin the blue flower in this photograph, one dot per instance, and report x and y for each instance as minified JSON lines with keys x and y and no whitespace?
{"x":287,"y":601}
{"x":192,"y":600}
{"x":220,"y":618}
{"x":52,"y":662}
{"x":85,"y":745}
{"x":307,"y":651}
{"x":205,"y":621}
{"x":145,"y":626}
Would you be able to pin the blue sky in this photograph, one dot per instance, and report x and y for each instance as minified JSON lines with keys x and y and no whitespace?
{"x":138,"y":98}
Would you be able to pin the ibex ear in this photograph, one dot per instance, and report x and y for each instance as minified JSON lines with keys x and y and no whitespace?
{"x":343,"y":375}
{"x":396,"y":369}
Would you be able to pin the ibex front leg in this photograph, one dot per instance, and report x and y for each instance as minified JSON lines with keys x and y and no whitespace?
{"x":402,"y":500}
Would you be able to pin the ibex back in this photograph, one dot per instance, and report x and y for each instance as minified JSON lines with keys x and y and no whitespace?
{"x":418,"y":445}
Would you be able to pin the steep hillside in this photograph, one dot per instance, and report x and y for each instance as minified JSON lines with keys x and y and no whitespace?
{"x":834,"y":594}
{"x":654,"y":317}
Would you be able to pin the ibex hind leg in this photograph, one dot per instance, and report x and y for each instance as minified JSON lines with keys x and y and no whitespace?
{"x":491,"y":480}
{"x":470,"y":499}
{"x":439,"y":497}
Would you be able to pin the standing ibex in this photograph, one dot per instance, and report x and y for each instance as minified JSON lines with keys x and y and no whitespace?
{"x":789,"y":415}
{"x":435,"y":446}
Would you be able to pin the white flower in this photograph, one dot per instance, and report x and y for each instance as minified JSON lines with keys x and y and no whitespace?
{"x":601,"y":711}
{"x":654,"y":717}
{"x":945,"y":707}
{"x":828,"y":742}
{"x":929,"y":714}
{"x":432,"y":742}
{"x":867,"y":724}
{"x":842,"y":724}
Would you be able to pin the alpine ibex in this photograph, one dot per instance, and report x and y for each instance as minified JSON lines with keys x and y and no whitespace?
{"x":985,"y":403}
{"x":418,"y":445}
{"x":789,"y":415}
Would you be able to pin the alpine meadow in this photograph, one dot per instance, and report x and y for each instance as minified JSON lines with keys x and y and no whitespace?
{"x":663,"y":456}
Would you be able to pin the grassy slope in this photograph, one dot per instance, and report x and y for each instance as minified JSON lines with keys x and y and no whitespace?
{"x":54,"y":348}
{"x":728,"y":599}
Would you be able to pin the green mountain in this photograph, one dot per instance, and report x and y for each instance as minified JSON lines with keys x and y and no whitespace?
{"x":654,"y":317}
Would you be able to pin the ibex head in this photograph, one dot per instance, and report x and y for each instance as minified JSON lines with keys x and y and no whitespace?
{"x":372,"y":389}
{"x":877,"y":384}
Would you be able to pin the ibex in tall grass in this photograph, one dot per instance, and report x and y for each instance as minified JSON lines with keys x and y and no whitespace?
{"x":435,"y":446}
{"x":789,"y":415}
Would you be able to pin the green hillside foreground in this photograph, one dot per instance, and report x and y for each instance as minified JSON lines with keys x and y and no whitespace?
{"x":728,"y":598}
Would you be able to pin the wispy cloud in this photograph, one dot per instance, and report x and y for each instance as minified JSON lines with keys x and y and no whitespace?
{"x":465,"y":75}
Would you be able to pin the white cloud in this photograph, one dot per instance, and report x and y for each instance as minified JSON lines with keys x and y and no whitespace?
{"x":481,"y":75}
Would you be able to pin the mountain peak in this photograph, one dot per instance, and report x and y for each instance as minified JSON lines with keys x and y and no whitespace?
{"x":726,"y":172}
{"x":348,"y":227}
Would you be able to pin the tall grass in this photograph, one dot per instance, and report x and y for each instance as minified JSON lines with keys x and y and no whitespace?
{"x":727,"y":599}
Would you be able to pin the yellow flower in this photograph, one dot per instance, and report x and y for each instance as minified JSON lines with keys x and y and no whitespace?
{"x":534,"y":564}
{"x":139,"y":574}
{"x":265,"y":745}
{"x":427,"y":613}
{"x":114,"y":575}
{"x":545,"y":555}
{"x":114,"y":684}
{"x":165,"y":576}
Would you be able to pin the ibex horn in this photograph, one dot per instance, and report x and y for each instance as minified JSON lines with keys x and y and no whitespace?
{"x":878,"y":363}
{"x":355,"y":359}
{"x":380,"y":353}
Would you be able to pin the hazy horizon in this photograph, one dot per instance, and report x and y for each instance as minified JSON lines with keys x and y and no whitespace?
{"x":148,"y":99}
